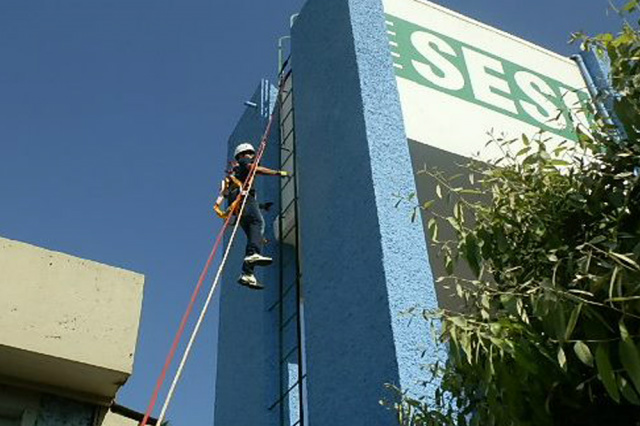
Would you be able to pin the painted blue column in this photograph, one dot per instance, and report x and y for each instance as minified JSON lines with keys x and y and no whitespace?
{"x":245,"y":374}
{"x":599,"y":76}
{"x":363,"y":260}
{"x":599,"y":70}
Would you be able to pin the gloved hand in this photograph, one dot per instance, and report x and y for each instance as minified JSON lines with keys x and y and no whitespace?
{"x":285,"y":173}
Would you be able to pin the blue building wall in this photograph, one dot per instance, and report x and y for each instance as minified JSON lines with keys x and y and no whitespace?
{"x":364,"y":262}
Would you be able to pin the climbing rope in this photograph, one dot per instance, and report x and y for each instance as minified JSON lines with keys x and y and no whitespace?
{"x":245,"y":191}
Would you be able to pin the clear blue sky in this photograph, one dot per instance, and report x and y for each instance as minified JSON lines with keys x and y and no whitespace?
{"x":114,"y":116}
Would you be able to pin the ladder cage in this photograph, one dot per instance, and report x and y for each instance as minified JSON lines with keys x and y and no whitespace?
{"x":290,"y":401}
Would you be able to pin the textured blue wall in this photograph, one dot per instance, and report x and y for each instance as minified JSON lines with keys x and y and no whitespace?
{"x":363,"y":261}
{"x":245,"y":376}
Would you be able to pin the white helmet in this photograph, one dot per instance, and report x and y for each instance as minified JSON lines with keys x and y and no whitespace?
{"x":243,"y":147}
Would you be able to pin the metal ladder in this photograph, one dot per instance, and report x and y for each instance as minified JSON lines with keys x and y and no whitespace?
{"x":291,"y":367}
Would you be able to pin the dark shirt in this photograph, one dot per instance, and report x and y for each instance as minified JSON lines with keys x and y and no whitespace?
{"x":241,"y":171}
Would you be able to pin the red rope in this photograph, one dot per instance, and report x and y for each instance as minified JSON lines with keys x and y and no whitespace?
{"x":248,"y":183}
{"x":183,"y":323}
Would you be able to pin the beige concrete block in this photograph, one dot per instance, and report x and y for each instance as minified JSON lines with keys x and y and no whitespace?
{"x":66,"y":322}
{"x":114,"y":419}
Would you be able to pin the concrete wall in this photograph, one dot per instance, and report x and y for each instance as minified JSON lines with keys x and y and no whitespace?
{"x":57,"y":411}
{"x":364,"y":261}
{"x":114,"y":419}
{"x":21,"y":407}
{"x":18,"y":407}
{"x":246,"y":376}
{"x":67,"y":325}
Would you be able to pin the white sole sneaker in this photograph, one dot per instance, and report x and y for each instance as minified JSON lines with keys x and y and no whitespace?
{"x":258,"y":260}
{"x":250,"y":281}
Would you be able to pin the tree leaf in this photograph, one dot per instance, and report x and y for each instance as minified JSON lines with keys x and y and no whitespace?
{"x":562,"y":359}
{"x":439,"y":191}
{"x":627,"y":391}
{"x":629,"y":356}
{"x":573,"y":320}
{"x":630,"y":6}
{"x":427,"y":204}
{"x":597,"y":240}
{"x":605,"y":372}
{"x":583,"y":353}
{"x":432,"y":226}
{"x":625,"y":259}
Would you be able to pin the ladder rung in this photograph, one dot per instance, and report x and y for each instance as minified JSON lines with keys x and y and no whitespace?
{"x":289,"y":179}
{"x":286,"y":77}
{"x":284,"y":294}
{"x":287,"y":136}
{"x":286,"y":142}
{"x":286,"y":97}
{"x":282,"y":120}
{"x":284,"y":395}
{"x":291,"y":203}
{"x":284,"y":64}
{"x":291,"y":152}
{"x":286,"y":234}
{"x":291,"y":352}
{"x":288,"y":321}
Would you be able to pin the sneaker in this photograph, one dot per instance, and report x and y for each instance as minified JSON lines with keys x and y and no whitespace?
{"x":250,"y":281}
{"x":258,"y":260}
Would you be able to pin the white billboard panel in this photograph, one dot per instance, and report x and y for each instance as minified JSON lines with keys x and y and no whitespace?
{"x":459,"y":79}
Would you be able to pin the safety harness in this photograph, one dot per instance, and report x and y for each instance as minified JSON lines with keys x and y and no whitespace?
{"x":229,"y":188}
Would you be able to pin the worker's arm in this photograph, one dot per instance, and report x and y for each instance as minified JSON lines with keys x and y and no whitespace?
{"x":223,"y":192}
{"x":270,"y":172}
{"x":221,"y":196}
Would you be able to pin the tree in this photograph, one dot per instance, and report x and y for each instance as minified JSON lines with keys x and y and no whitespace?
{"x":550,"y":333}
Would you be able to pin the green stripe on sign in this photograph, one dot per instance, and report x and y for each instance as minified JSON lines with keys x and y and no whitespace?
{"x":442,"y":63}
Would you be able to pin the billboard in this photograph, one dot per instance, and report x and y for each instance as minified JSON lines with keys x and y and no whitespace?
{"x":459,"y":79}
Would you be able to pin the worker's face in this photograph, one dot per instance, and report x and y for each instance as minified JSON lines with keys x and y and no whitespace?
{"x":248,"y":154}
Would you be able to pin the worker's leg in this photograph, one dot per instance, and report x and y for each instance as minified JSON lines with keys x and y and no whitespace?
{"x":253,"y":225}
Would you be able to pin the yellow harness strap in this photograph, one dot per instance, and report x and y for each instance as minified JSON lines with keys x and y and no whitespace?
{"x":230,"y":183}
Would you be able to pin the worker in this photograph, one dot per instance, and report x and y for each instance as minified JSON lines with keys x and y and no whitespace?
{"x":252,"y":222}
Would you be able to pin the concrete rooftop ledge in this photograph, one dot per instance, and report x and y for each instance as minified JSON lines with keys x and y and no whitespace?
{"x":67,"y":325}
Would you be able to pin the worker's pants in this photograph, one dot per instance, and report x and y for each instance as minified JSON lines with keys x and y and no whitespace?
{"x":252,"y":224}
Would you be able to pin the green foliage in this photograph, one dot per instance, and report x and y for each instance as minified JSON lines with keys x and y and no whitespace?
{"x":550,"y":332}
